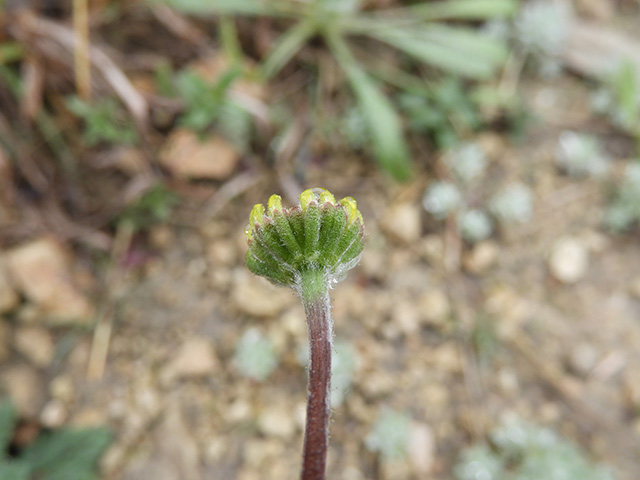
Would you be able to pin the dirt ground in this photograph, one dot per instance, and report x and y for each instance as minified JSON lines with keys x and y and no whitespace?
{"x":455,"y":336}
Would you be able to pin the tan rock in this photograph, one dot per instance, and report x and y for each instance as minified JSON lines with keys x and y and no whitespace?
{"x":41,"y":271}
{"x":277,"y":421}
{"x":436,"y":399}
{"x":481,"y":258}
{"x":446,"y":358}
{"x":395,"y":469}
{"x":634,"y":288}
{"x":222,"y":252}
{"x":406,"y":316}
{"x":402,"y":222}
{"x":195,"y":358}
{"x":9,"y":298}
{"x":259,"y":453}
{"x":433,"y":249}
{"x":185,"y":155}
{"x":256,"y":296}
{"x":62,"y":388}
{"x":434,"y":308}
{"x":36,"y":344}
{"x":25,"y":388}
{"x":89,"y":417}
{"x":583,"y":358}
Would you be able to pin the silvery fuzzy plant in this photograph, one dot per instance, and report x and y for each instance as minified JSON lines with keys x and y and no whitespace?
{"x":309,"y":247}
{"x":450,"y":198}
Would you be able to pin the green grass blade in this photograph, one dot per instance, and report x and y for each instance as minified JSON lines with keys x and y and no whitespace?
{"x":221,"y":7}
{"x":453,"y":49}
{"x":287,"y":46}
{"x":414,"y":15}
{"x":383,"y":122}
{"x":462,"y":9}
{"x":468,"y":41}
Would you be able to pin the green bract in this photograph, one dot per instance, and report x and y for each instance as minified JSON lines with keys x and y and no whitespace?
{"x":318,"y":235}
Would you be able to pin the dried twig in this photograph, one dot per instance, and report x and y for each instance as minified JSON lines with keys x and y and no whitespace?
{"x":81,"y":61}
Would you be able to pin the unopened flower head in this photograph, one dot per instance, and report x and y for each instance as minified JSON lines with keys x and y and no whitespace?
{"x":318,"y":234}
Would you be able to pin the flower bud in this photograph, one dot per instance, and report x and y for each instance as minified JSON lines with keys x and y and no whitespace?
{"x":319,"y":234}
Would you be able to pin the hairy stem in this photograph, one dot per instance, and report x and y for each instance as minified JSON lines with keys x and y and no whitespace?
{"x":315,"y":297}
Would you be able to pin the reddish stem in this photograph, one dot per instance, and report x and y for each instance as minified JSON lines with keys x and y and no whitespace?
{"x":316,"y":434}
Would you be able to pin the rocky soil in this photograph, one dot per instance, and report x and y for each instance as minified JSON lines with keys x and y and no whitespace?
{"x":541,"y":320}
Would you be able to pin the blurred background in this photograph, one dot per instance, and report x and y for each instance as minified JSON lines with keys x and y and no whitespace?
{"x":492,"y":328}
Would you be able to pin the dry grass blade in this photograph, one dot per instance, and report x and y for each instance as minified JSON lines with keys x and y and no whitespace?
{"x":33,"y":78}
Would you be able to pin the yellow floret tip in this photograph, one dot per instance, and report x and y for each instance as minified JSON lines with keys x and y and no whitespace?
{"x":306,"y":198}
{"x":257,"y":215}
{"x":351,"y":207}
{"x":327,"y":197}
{"x":274,"y":204}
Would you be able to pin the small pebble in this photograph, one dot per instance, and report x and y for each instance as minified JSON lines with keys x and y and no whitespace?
{"x":277,"y":421}
{"x":256,"y":296}
{"x":25,"y":387}
{"x":195,"y":358}
{"x":422,"y":448}
{"x":569,"y":260}
{"x":53,"y":414}
{"x":481,"y":258}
